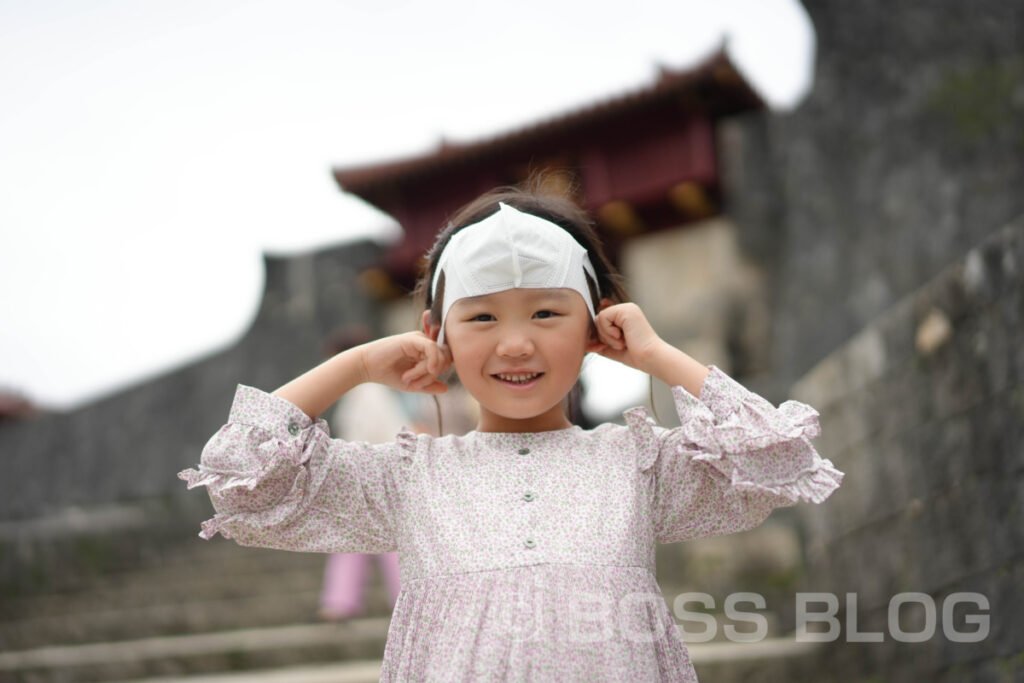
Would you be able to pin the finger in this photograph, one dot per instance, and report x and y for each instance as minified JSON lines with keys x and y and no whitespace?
{"x":446,"y":350}
{"x":610,"y":322}
{"x":419,"y":383}
{"x":435,"y":388}
{"x":438,"y":362}
{"x":609,"y":334}
{"x":425,"y":376}
{"x":415,"y":372}
{"x":410,"y":374}
{"x":429,"y":385}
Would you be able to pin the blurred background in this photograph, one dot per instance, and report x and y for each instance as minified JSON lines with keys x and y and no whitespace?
{"x":822,"y":198}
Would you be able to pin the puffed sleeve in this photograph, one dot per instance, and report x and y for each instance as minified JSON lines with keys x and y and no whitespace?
{"x":278,"y":480}
{"x":733,"y":459}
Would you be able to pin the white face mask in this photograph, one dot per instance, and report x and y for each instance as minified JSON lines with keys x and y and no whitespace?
{"x":508,"y":250}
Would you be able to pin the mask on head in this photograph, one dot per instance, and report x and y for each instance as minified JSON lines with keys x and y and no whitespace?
{"x":511,"y":249}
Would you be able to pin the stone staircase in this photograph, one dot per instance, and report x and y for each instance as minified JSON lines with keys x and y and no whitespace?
{"x":142,"y":606}
{"x":179,"y":607}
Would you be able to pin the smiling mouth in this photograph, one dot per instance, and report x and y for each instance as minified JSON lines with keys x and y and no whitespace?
{"x":518,"y":378}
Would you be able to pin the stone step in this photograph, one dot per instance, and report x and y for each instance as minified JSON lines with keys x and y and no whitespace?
{"x":367,"y":671}
{"x":70,"y":547}
{"x":768,"y":660}
{"x":211,"y":561}
{"x":43,"y":565}
{"x":136,"y":592}
{"x":215,"y":586}
{"x":183,"y":617}
{"x":116,"y":623}
{"x":202,"y":653}
{"x":265,"y":599}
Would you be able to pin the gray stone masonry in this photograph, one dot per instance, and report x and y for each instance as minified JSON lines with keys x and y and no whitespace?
{"x":924,"y":411}
{"x":97,"y":486}
{"x":907,"y":152}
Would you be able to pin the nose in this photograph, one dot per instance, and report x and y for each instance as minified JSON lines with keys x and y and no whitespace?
{"x":514,"y":343}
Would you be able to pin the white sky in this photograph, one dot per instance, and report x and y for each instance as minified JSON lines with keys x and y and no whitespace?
{"x":151,"y":151}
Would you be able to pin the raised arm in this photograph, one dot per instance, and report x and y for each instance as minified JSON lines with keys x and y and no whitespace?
{"x":278,"y":480}
{"x":407,"y":362}
{"x":676,"y":368}
{"x":734,"y":458}
{"x":627,"y":337}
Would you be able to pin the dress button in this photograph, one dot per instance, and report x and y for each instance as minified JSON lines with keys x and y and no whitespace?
{"x":524,"y":451}
{"x":528,"y":496}
{"x":293,"y":428}
{"x":530,"y":543}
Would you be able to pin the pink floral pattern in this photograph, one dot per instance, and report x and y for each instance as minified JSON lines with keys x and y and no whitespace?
{"x":523,"y":556}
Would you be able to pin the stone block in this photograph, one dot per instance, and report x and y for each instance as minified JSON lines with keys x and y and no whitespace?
{"x":830,"y":442}
{"x":945,"y":452}
{"x":948,"y":292}
{"x":1005,"y":516}
{"x":866,"y":358}
{"x":891,"y":483}
{"x":1007,"y":603}
{"x":846,"y":505}
{"x":992,"y":427}
{"x":847,"y":422}
{"x":916,"y":461}
{"x":991,"y":345}
{"x":1005,"y":429}
{"x":956,"y":381}
{"x":824,"y":385}
{"x":878,"y":572}
{"x":896,"y":404}
{"x":897,"y":329}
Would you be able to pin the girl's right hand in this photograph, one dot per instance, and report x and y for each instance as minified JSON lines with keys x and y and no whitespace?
{"x":409,"y":362}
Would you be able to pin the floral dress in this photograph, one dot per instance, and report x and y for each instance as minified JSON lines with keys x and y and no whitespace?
{"x":523,"y":556}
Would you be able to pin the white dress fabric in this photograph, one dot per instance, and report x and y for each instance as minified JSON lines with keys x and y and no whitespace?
{"x":524,"y":556}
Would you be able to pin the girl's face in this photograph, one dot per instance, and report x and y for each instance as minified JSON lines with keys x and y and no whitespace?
{"x":519,"y":352}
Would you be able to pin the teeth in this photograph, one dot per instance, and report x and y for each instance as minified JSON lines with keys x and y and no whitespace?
{"x":519,"y":378}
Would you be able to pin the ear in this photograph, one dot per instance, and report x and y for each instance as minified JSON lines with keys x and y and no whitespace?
{"x":594,"y":344}
{"x":430,"y":329}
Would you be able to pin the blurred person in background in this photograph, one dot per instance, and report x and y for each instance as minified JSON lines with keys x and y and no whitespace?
{"x":374,"y":413}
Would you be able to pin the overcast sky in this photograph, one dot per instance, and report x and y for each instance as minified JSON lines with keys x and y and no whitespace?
{"x":151,"y":151}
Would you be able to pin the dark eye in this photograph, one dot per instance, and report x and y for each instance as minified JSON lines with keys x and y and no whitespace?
{"x":482,"y":318}
{"x":545,"y":314}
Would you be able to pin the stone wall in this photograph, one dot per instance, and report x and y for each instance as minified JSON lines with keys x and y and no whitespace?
{"x":908,"y":151}
{"x":80,"y":479}
{"x":875,"y":211}
{"x":924,"y":411}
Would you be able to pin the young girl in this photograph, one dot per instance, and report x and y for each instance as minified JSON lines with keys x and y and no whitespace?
{"x":526,"y":546}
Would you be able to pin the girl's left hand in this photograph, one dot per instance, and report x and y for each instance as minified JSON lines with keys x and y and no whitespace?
{"x":624,"y":335}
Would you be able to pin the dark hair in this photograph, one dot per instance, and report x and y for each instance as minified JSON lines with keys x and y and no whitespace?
{"x":532,"y":199}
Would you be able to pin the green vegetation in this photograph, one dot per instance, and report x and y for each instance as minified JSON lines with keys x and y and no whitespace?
{"x":979,"y":101}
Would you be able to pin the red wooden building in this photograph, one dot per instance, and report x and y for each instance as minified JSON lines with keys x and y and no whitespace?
{"x":640,"y":162}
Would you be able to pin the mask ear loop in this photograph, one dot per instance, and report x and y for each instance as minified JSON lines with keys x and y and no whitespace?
{"x":650,"y":398}
{"x":446,"y":378}
{"x":437,"y":410}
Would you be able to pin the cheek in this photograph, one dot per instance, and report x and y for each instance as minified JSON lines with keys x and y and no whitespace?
{"x":572,"y":346}
{"x":466,"y":356}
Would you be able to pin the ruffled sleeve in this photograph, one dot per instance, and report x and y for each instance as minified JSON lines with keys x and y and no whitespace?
{"x":278,"y":480}
{"x":733,"y":459}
